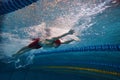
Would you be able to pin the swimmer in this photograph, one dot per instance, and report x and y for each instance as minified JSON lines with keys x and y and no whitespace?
{"x":37,"y":43}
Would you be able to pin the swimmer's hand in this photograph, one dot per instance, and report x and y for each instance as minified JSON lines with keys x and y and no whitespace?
{"x":71,"y":31}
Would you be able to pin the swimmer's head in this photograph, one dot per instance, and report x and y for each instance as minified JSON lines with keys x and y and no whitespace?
{"x":57,"y":43}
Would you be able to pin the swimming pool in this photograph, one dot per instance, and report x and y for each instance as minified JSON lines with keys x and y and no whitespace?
{"x":95,"y":56}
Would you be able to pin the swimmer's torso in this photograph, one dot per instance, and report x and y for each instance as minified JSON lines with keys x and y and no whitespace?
{"x":46,"y":43}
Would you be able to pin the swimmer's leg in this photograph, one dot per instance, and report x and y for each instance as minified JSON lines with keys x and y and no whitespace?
{"x":21,"y":51}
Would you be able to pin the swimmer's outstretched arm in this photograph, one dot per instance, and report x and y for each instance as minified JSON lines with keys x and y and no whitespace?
{"x":68,"y":33}
{"x":67,"y":42}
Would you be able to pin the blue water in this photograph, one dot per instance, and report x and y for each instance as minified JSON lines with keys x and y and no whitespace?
{"x":94,"y":25}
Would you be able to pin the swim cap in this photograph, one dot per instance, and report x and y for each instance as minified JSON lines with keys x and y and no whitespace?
{"x":57,"y":42}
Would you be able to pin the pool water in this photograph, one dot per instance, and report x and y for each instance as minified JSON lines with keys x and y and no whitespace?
{"x":95,"y":23}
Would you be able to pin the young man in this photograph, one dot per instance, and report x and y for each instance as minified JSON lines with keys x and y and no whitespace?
{"x":37,"y":43}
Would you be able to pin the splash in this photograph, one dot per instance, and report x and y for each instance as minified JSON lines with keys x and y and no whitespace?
{"x":24,"y":60}
{"x":79,"y":17}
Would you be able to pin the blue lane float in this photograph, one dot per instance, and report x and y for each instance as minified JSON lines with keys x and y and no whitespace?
{"x":7,"y":6}
{"x":107,"y":47}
